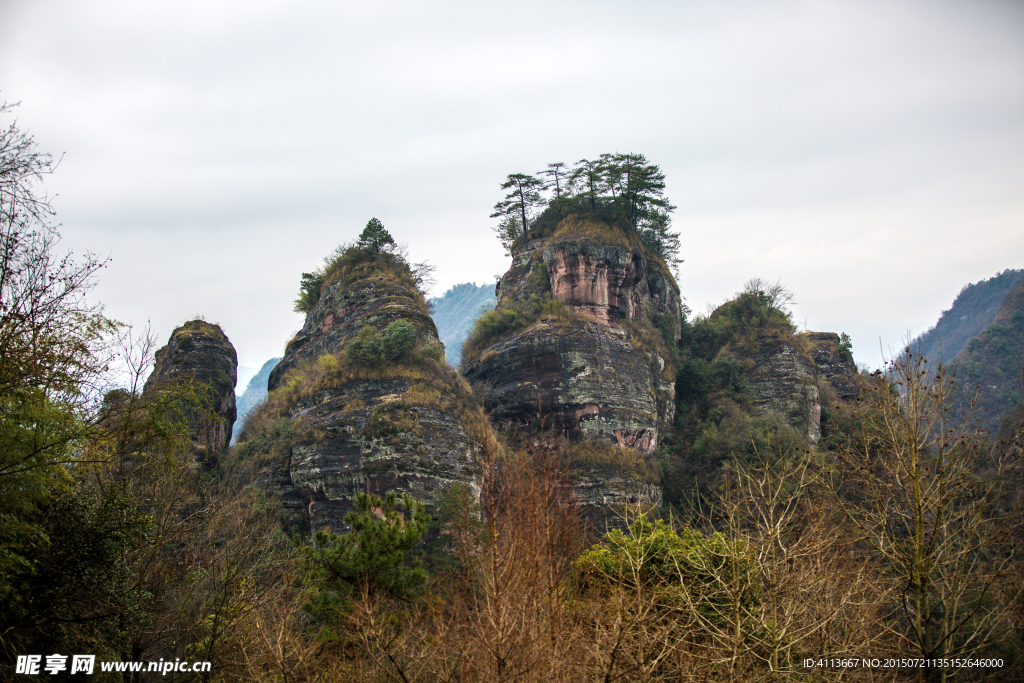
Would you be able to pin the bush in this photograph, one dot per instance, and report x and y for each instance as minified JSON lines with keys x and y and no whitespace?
{"x":399,"y":338}
{"x":376,"y":556}
{"x":712,"y":570}
{"x":370,"y":348}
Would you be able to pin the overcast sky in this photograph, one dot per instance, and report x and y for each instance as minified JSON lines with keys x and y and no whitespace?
{"x":869,"y":154}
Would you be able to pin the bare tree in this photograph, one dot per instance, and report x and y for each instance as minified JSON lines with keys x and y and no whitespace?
{"x":928,"y":495}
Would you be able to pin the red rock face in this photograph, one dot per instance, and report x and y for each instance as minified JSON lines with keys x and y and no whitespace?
{"x":589,"y":379}
{"x":593,"y":285}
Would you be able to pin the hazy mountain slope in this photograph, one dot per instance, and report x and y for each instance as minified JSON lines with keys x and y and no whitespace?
{"x":255,"y":392}
{"x":454,"y":313}
{"x":974,"y":309}
{"x":992,"y":362}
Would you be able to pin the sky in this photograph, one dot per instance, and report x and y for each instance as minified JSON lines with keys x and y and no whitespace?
{"x":868,"y":154}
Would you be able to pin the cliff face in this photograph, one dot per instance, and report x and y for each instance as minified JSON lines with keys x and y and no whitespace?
{"x":360,"y":298}
{"x":782,"y":382}
{"x":586,"y":355}
{"x":834,"y":366}
{"x":332,"y":426}
{"x":990,"y":369}
{"x":787,"y":375}
{"x":973,"y":310}
{"x":201,"y":353}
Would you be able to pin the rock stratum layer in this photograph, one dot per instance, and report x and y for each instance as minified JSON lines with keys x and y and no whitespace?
{"x":201,"y":353}
{"x":593,"y":364}
{"x":332,"y":428}
{"x":787,"y":376}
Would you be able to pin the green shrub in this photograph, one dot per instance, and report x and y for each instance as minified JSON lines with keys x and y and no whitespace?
{"x":310,"y":285}
{"x":399,"y":338}
{"x":717,"y":573}
{"x":366,"y":349}
{"x":845,"y":347}
{"x":370,"y":348}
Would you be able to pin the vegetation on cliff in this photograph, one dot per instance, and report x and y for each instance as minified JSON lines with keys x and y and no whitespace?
{"x":623,"y":190}
{"x":895,"y":536}
{"x":724,"y":362}
{"x":363,"y":397}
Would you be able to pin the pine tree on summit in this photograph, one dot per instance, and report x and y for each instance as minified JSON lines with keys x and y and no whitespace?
{"x":376,"y":238}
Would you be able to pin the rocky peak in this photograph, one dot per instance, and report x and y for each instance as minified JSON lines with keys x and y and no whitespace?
{"x":592,"y":362}
{"x":791,"y":374}
{"x":833,"y":364}
{"x":364,"y":296}
{"x":200,"y":352}
{"x":336,"y":422}
{"x":782,"y":382}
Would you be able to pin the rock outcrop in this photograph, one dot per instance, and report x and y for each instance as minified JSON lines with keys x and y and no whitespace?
{"x":787,"y":374}
{"x":200,"y":353}
{"x":330,"y":427}
{"x":834,"y":366}
{"x":782,"y":382}
{"x":585,"y":352}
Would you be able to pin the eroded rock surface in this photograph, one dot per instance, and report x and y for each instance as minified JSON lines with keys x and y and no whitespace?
{"x":838,"y":370}
{"x":782,"y":382}
{"x":201,"y":353}
{"x":787,"y":375}
{"x":404,"y":426}
{"x":598,"y":373}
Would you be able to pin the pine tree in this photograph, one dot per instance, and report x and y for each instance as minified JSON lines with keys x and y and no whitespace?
{"x":524,"y":195}
{"x":375,"y":238}
{"x":558,"y":183}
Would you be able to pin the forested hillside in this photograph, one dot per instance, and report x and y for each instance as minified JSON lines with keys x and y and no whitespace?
{"x":974,"y":309}
{"x":991,"y":368}
{"x":454,"y":313}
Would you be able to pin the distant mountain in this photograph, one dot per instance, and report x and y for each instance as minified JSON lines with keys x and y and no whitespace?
{"x":992,"y":365}
{"x":254,"y":394}
{"x":454,"y":313}
{"x":974,"y":309}
{"x":245,"y":373}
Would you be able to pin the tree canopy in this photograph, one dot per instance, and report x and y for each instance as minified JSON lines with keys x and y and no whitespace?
{"x":622,"y":189}
{"x":51,"y":352}
{"x":376,"y":238}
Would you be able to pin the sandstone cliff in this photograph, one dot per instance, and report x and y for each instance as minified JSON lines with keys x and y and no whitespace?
{"x":789,"y":373}
{"x":782,"y":382}
{"x":575,"y":338}
{"x":200,"y":353}
{"x":340,"y":419}
{"x":834,"y":365}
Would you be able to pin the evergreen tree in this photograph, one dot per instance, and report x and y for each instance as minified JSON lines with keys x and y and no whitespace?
{"x":586,"y":176}
{"x":524,"y":194}
{"x":375,"y":238}
{"x":376,"y":555}
{"x":639,"y":186}
{"x":557,"y":181}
